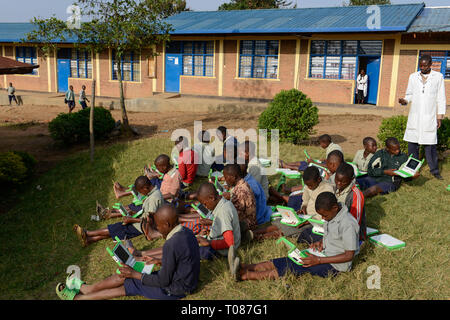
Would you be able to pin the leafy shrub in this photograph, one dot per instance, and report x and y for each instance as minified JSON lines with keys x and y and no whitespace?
{"x":443,"y":134}
{"x":28,"y":160}
{"x":396,"y":126}
{"x":12,"y":169}
{"x":292,"y":113}
{"x":71,"y":128}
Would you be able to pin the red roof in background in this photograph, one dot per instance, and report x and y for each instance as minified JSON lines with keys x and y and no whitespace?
{"x":10,"y":66}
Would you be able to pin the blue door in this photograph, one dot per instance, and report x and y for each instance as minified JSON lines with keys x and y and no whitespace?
{"x":173,"y":72}
{"x":63,"y":74}
{"x":373,"y":72}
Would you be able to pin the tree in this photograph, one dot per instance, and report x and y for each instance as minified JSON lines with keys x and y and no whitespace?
{"x":367,"y":2}
{"x":256,"y":4}
{"x":121,"y":25}
{"x":168,"y":7}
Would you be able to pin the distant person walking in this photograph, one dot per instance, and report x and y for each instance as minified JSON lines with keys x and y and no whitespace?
{"x":83,"y":97}
{"x":70,"y":99}
{"x":11,"y":94}
{"x":361,"y":86}
{"x":426,"y":92}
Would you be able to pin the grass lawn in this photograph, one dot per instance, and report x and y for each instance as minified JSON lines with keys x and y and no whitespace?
{"x":38,"y":243}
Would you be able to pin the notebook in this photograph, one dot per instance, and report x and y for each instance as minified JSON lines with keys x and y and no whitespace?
{"x":289,"y":217}
{"x":121,"y":255}
{"x":264,"y":162}
{"x":358,"y":173}
{"x":371,"y":231}
{"x":318,"y":226}
{"x":388,"y":241}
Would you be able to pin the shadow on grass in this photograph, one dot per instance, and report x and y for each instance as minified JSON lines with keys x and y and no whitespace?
{"x":38,"y":231}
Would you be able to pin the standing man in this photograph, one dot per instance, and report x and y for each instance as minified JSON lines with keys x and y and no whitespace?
{"x":11,"y":94}
{"x":83,"y":97}
{"x":426,"y":92}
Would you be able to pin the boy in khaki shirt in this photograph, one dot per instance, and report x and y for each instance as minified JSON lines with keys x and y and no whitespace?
{"x":363,"y":156}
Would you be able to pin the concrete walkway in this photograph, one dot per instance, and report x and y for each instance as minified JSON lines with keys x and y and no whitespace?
{"x":175,"y":102}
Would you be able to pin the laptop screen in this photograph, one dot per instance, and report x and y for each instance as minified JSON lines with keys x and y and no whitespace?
{"x":122,"y":253}
{"x":203,"y":209}
{"x":412,"y":164}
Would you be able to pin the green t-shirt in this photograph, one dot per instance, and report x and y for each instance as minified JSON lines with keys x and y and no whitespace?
{"x":225,"y":219}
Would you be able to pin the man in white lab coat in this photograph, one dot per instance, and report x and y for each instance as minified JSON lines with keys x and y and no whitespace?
{"x":426,"y":92}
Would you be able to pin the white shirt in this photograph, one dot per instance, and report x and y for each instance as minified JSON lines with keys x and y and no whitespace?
{"x":427,"y":104}
{"x":362,"y":83}
{"x":206,"y":158}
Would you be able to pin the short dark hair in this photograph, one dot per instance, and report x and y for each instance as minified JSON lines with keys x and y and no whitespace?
{"x":336,"y":154}
{"x":325,"y":201}
{"x":142,"y":181}
{"x":366,"y":140}
{"x":233,"y":169}
{"x":223,"y":130}
{"x":427,"y":58}
{"x":311,"y":174}
{"x":391,"y":141}
{"x":208,"y":189}
{"x":204,"y":136}
{"x":346,"y":170}
{"x":325,"y":138}
{"x":162,"y":158}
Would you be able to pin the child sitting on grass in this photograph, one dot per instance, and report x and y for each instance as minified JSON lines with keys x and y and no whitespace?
{"x":305,"y":203}
{"x":381,"y":178}
{"x":177,"y":277}
{"x":187,"y":161}
{"x":247,"y":153}
{"x":363,"y":156}
{"x":325,"y":142}
{"x":348,"y":194}
{"x":130,"y":227}
{"x":339,"y":244}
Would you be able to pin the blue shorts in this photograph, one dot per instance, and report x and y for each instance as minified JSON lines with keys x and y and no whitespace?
{"x":321,"y":270}
{"x":135,"y":287}
{"x":367,"y":182}
{"x":121,"y":231}
{"x":303,"y":165}
{"x":208,"y":253}
{"x":307,"y":236}
{"x":295,"y":202}
{"x":83,"y":104}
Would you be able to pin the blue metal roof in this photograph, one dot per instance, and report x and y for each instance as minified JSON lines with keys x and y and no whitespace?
{"x":432,"y":19}
{"x":304,"y":20}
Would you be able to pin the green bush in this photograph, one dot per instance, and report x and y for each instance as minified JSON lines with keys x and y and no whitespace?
{"x":28,"y":160}
{"x":71,"y":128}
{"x":293,"y":114}
{"x":12,"y":169}
{"x":443,"y":134}
{"x":396,"y":126}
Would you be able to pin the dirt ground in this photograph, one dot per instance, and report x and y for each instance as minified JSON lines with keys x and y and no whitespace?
{"x":25,"y":128}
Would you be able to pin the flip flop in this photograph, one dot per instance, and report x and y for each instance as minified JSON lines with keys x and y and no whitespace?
{"x":73,"y":283}
{"x":81,"y":234}
{"x":66,"y":293}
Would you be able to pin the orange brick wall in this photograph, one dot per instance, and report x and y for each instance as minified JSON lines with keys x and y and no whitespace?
{"x":384,"y":86}
{"x":110,"y":88}
{"x":37,"y":82}
{"x":331,"y":91}
{"x":261,"y":88}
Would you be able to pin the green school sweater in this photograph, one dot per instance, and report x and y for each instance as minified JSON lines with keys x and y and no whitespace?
{"x":383,"y":160}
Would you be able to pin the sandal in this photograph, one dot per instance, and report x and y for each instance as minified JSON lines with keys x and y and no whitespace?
{"x":281,"y":182}
{"x":73,"y":283}
{"x":236,"y":271}
{"x":102,"y":212}
{"x":65,"y":293}
{"x":81,"y":234}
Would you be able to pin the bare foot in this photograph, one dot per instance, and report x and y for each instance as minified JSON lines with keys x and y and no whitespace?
{"x":119,"y":190}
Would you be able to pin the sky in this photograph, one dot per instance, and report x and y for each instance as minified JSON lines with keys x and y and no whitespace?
{"x":25,"y":10}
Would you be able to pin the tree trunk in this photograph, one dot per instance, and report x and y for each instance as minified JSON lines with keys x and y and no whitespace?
{"x":91,"y":121}
{"x":125,"y":124}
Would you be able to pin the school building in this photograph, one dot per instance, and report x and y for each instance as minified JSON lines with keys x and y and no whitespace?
{"x":256,"y":54}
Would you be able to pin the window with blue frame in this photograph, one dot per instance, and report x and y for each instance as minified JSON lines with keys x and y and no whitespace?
{"x":130,"y":66}
{"x":337,"y":59}
{"x":81,"y":64}
{"x":258,"y":59}
{"x":441,"y":61}
{"x":198,"y":58}
{"x":27,"y":55}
